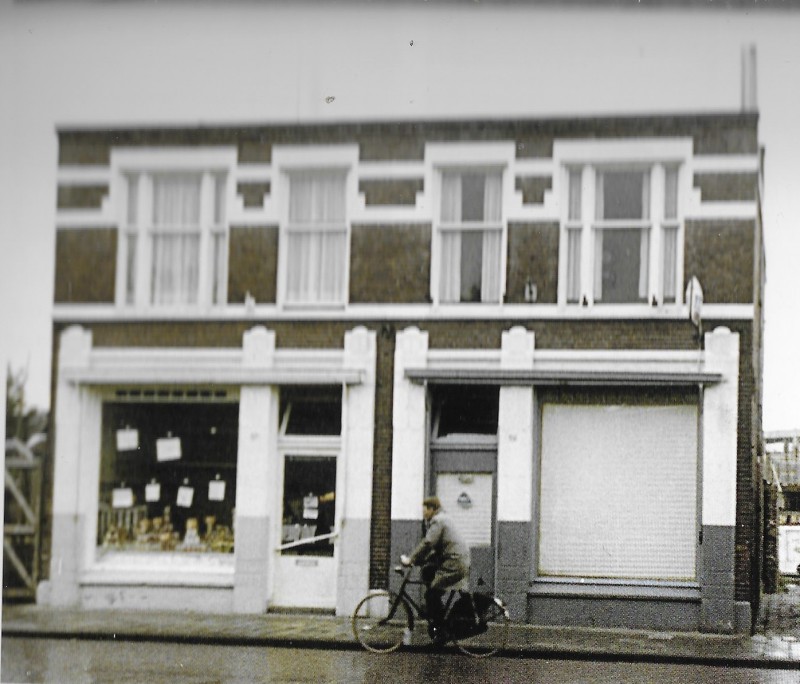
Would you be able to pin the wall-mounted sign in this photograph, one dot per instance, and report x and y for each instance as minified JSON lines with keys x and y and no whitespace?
{"x":311,"y":507}
{"x":464,"y":500}
{"x":127,"y":439}
{"x":168,"y":449}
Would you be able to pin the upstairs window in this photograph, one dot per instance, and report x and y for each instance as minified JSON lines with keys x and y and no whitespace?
{"x":621,"y":235}
{"x":175,"y":239}
{"x":470,"y":236}
{"x":316,"y":237}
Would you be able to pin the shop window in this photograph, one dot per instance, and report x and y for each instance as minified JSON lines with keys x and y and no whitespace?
{"x":311,"y":411}
{"x":168,"y":477}
{"x":458,"y":410}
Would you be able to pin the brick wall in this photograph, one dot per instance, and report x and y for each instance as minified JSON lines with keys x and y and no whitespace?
{"x":253,"y":263}
{"x":532,"y":254}
{"x":390,"y":264}
{"x":86,"y":265}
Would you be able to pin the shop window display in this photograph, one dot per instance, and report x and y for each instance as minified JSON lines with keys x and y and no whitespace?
{"x":168,"y":477}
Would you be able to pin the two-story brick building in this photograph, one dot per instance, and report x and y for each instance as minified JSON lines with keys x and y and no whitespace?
{"x":271,"y":341}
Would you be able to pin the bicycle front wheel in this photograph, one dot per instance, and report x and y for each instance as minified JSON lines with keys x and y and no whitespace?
{"x":380,"y":622}
{"x":494,"y":639}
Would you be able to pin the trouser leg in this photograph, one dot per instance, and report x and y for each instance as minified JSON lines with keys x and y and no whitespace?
{"x":433,"y":603}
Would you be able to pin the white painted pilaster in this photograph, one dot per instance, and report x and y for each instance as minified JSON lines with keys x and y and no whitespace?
{"x":74,"y":353}
{"x":255,"y":478}
{"x":719,"y":422}
{"x":515,"y":431}
{"x":409,"y":426}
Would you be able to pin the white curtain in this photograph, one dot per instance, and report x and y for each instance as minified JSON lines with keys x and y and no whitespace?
{"x":492,"y":239}
{"x":450,"y":240}
{"x":317,"y":238}
{"x":176,"y":239}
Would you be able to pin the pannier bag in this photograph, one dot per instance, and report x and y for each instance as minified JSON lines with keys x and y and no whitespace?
{"x":467,"y":616}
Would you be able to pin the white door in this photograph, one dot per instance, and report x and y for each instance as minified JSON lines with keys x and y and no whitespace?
{"x":305,"y":567}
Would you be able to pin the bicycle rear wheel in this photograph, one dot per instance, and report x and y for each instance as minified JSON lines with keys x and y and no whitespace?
{"x":494,"y":639}
{"x":374,"y":628}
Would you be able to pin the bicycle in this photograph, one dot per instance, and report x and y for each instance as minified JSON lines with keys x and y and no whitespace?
{"x":478,"y":624}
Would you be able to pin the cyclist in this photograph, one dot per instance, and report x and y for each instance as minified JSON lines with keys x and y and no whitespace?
{"x":443,"y":550}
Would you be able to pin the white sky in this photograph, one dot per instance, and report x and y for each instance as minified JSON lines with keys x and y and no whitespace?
{"x":116,"y":63}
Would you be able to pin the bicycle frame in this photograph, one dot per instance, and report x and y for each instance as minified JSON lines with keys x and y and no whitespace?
{"x":402,"y":594}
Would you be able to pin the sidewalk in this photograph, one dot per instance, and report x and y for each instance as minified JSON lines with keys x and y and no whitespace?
{"x":775,"y":645}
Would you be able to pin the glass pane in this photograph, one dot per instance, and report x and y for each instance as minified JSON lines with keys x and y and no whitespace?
{"x":316,"y":266}
{"x":623,"y":194}
{"x":219,"y":262}
{"x":622,"y":266}
{"x":575,"y":180}
{"x":220,"y":187}
{"x":309,"y":504}
{"x":465,"y":410}
{"x":133,"y":199}
{"x":671,"y":193}
{"x":130,"y":269}
{"x":168,"y":476}
{"x":312,"y":410}
{"x":472,"y":197}
{"x":471,"y":265}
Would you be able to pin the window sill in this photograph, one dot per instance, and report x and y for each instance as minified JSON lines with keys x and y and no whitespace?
{"x":160,"y":569}
{"x":614,"y":589}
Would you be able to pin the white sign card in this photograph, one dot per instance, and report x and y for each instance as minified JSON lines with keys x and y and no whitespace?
{"x":168,"y":449}
{"x":152,"y":492}
{"x":127,"y":439}
{"x":216,"y":490}
{"x":311,"y":507}
{"x":122,"y":497}
{"x":185,"y":496}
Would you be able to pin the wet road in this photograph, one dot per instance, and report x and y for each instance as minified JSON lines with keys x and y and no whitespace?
{"x":91,"y":662}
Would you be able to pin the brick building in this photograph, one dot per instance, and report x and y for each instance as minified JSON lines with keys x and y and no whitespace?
{"x":271,"y":341}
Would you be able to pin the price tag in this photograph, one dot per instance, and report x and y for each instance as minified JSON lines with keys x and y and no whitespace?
{"x":122,"y":497}
{"x":216,"y":490}
{"x":152,"y":492}
{"x":185,"y":497}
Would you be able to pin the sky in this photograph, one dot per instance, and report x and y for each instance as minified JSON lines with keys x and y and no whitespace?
{"x":65,"y":63}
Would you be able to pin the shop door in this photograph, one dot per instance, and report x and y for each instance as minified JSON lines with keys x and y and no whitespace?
{"x":305,"y":568}
{"x":468,"y":497}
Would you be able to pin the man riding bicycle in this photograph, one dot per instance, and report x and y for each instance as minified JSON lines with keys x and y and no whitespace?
{"x":444,"y":551}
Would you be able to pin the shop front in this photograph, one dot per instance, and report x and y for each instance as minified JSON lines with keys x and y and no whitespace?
{"x":212,"y":479}
{"x":597,"y":488}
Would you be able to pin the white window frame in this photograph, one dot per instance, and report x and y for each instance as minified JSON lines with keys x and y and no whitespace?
{"x":288,"y":159}
{"x":143,"y":164}
{"x":648,"y":155}
{"x":474,"y":157}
